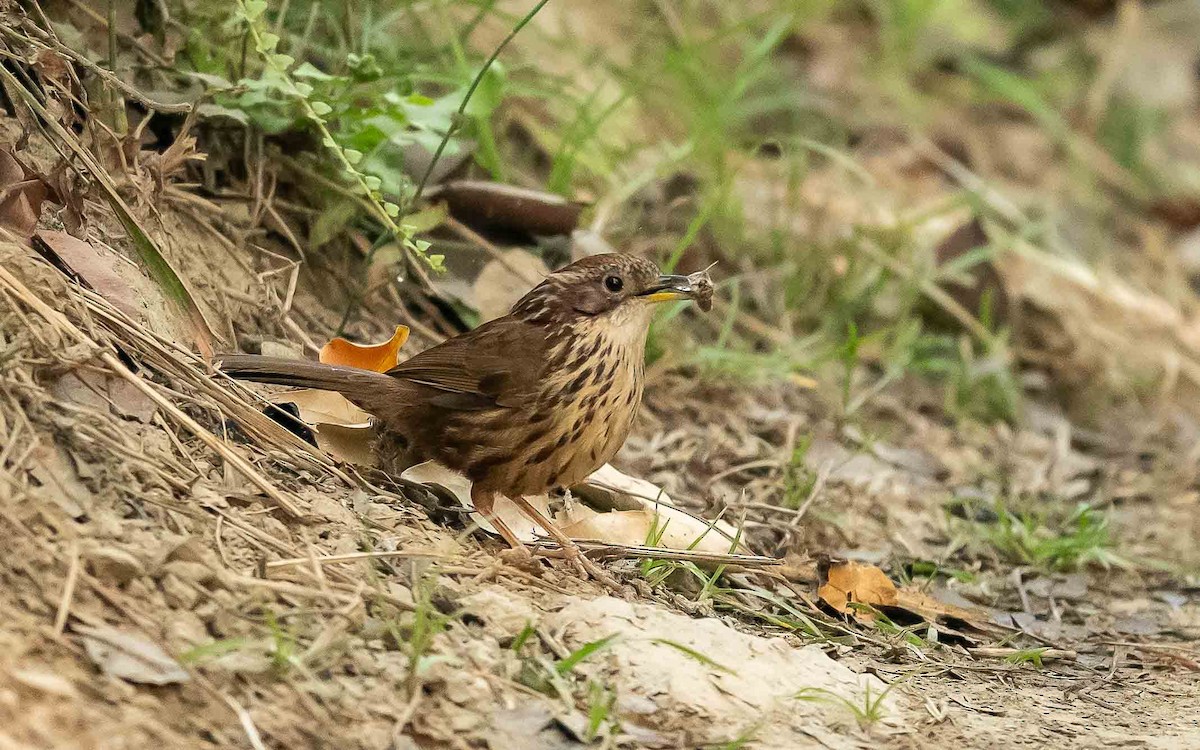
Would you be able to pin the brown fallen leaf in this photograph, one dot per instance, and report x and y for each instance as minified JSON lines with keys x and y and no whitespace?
{"x":130,"y":401}
{"x":848,"y":583}
{"x":22,"y":193}
{"x":97,"y":391}
{"x":932,"y":609}
{"x":975,"y":286}
{"x":173,"y":287}
{"x":478,"y":202}
{"x":340,"y":428}
{"x":130,"y":656}
{"x":86,"y":388}
{"x":379,"y":357}
{"x":91,"y":266}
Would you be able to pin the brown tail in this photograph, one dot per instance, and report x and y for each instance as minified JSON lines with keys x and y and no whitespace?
{"x":368,"y":389}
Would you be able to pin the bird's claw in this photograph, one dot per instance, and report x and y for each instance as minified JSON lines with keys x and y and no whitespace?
{"x":589,"y":569}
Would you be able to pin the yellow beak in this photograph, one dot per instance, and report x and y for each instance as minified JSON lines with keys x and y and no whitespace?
{"x":670,"y":288}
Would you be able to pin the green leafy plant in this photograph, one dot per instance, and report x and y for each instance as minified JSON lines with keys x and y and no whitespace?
{"x":693,"y":654}
{"x":298,"y":87}
{"x":1027,"y":656}
{"x":572,"y":660}
{"x":867,"y":710}
{"x":283,"y":645}
{"x":1081,"y":539}
{"x":600,"y":703}
{"x":417,"y":631}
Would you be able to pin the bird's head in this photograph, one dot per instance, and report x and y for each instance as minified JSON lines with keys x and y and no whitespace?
{"x":622,"y":288}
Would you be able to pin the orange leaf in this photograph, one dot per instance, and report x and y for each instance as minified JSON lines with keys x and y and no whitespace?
{"x":854,"y":582}
{"x":377,"y":357}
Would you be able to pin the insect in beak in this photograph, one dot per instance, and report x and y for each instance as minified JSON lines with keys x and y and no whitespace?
{"x":669,"y":288}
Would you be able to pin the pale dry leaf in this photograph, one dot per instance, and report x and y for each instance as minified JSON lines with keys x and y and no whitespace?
{"x":323,"y":407}
{"x":130,"y":656}
{"x":130,"y":401}
{"x":86,"y":388}
{"x":21,"y":195}
{"x":678,"y":529}
{"x":54,"y":470}
{"x":113,"y":564}
{"x":340,"y":428}
{"x":663,"y":526}
{"x":100,"y":392}
{"x":432,"y":473}
{"x":505,"y":280}
{"x":350,"y":443}
{"x":629,"y":527}
{"x":44,"y":682}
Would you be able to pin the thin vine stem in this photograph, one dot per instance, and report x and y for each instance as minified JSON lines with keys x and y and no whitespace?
{"x":462,"y":108}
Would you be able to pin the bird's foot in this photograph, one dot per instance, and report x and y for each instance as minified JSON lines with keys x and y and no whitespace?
{"x":589,"y":569}
{"x":518,"y":556}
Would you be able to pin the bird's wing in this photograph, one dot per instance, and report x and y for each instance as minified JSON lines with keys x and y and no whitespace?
{"x":497,"y":364}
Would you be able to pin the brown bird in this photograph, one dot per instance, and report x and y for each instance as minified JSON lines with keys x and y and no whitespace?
{"x":530,"y":402}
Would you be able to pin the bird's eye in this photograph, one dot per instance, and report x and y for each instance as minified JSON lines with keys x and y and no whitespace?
{"x":614,"y":283}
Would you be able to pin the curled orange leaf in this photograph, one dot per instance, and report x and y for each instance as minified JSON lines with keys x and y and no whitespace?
{"x":854,"y":583}
{"x":377,"y":357}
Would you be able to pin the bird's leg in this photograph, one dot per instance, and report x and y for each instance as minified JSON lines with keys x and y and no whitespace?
{"x":568,"y":545}
{"x":483,"y":502}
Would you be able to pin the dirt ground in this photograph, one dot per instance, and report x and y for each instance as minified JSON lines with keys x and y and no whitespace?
{"x":137,"y":613}
{"x":163,"y":581}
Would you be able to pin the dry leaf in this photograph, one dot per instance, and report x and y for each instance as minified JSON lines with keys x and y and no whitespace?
{"x":976,"y":285}
{"x":671,"y":527}
{"x":323,"y":407}
{"x":45,"y":682}
{"x":679,"y":529}
{"x":636,"y":520}
{"x":113,"y":564}
{"x":379,"y":357}
{"x":130,"y":656}
{"x":931,"y":609}
{"x":21,"y":195}
{"x":852,"y":582}
{"x":60,"y":484}
{"x":458,"y":487}
{"x":504,"y":280}
{"x":91,"y":265}
{"x":340,"y":428}
{"x":350,"y":443}
{"x":493,"y":204}
{"x":84,"y":388}
{"x":100,"y":392}
{"x":130,"y":401}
